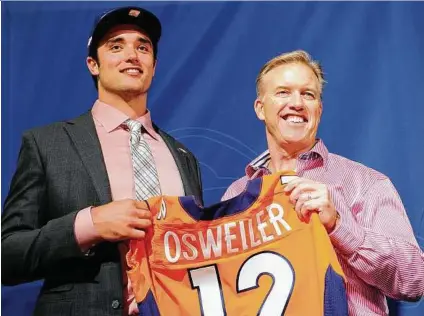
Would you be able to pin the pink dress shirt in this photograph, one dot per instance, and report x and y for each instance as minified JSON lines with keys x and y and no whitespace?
{"x":374,"y":242}
{"x":114,"y":141}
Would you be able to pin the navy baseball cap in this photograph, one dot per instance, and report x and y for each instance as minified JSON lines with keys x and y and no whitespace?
{"x":140,"y":17}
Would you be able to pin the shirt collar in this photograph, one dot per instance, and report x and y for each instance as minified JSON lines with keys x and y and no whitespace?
{"x":111,"y":118}
{"x":258,"y":166}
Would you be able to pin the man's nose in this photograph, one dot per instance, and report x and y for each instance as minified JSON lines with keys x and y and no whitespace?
{"x":131,"y":54}
{"x":296,"y":101}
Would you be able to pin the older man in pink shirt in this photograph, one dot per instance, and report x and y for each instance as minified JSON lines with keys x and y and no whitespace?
{"x":75,"y":196}
{"x":359,"y":207}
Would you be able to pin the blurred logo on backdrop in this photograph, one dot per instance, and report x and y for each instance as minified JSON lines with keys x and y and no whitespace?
{"x":222,"y":157}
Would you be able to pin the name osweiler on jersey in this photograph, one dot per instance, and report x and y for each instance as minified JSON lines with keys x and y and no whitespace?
{"x":214,"y":242}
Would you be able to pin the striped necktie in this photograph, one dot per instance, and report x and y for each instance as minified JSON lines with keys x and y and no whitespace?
{"x":145,"y":174}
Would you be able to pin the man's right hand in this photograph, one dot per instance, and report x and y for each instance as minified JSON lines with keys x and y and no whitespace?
{"x":120,"y":220}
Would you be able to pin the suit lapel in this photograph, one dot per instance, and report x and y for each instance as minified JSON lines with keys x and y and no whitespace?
{"x":84,"y":136}
{"x":181,"y":159}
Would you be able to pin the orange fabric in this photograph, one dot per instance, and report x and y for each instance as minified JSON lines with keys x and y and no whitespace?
{"x":264,"y":236}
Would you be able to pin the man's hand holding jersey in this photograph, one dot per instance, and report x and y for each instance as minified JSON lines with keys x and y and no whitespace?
{"x":121,"y":220}
{"x":309,"y":197}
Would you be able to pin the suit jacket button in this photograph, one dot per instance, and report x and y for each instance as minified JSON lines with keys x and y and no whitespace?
{"x":115,"y":304}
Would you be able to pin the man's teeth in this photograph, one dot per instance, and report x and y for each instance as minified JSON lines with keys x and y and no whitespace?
{"x":295,"y":119}
{"x":132,"y":71}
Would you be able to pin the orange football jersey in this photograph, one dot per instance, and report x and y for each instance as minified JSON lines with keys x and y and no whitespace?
{"x":250,"y":255}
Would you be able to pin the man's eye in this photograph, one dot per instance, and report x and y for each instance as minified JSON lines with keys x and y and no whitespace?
{"x":309,"y":95}
{"x":283,"y":93}
{"x":143,"y":48}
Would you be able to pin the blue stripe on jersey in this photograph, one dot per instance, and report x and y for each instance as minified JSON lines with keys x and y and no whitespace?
{"x":148,"y":307}
{"x":232,"y":206}
{"x":335,"y":302}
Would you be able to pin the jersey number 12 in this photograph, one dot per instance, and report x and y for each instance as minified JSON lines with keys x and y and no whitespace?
{"x":208,"y":284}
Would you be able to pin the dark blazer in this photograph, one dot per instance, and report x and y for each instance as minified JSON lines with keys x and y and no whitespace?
{"x":60,"y":171}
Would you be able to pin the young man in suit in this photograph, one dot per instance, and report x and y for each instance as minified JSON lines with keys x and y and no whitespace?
{"x":73,"y":199}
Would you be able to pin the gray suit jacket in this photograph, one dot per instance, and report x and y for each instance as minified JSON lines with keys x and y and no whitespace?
{"x":60,"y":171}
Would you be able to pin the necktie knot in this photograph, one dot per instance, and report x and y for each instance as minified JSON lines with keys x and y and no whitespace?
{"x":135,"y":130}
{"x":134,"y":126}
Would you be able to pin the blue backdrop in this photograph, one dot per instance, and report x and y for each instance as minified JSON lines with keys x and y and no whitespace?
{"x":204,"y":88}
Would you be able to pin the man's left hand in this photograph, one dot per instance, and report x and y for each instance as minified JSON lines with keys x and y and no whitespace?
{"x":310,"y":196}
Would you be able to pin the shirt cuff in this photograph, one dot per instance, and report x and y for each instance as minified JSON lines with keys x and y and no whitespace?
{"x":85,"y":233}
{"x":348,"y":236}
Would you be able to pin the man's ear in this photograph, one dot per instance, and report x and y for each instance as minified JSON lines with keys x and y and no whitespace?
{"x":259,"y":109}
{"x":92,"y":66}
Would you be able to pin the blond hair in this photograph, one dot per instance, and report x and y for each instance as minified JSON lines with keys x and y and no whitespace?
{"x":297,"y":56}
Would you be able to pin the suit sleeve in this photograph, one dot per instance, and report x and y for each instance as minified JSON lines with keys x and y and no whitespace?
{"x":30,"y":244}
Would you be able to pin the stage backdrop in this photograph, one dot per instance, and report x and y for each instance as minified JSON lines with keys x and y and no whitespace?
{"x":204,"y":88}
